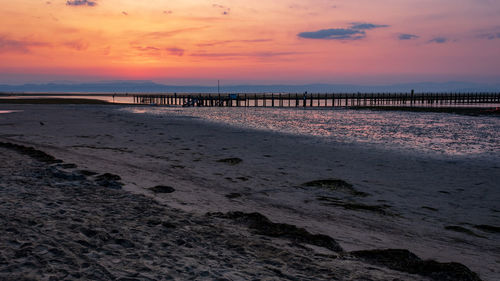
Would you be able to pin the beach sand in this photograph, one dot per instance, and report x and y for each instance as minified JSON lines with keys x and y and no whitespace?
{"x":362,"y":197}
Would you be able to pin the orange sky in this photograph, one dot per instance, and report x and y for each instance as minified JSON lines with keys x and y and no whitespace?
{"x":283,"y":41}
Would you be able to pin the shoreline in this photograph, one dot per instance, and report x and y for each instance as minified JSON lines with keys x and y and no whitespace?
{"x":52,"y":101}
{"x":150,"y":150}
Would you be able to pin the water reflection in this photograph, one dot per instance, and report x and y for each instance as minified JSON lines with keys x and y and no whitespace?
{"x":448,"y":134}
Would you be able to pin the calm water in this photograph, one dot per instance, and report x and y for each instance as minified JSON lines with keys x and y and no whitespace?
{"x":446,"y":134}
{"x":108,"y":98}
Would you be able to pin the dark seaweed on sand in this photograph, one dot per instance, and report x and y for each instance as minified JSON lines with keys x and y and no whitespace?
{"x":31,"y":152}
{"x":406,"y":261}
{"x":109,"y":180}
{"x":263,"y":226}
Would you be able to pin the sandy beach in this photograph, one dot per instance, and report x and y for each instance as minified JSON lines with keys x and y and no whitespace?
{"x":320,"y":211}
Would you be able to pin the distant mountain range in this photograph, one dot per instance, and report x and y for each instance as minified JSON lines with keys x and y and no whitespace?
{"x":151,"y":87}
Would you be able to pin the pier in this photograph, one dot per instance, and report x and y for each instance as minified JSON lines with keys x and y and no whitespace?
{"x":319,"y":100}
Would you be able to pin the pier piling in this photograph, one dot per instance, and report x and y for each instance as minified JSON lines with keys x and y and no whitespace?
{"x":333,"y":100}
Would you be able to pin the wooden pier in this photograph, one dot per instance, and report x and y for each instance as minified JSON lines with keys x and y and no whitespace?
{"x":319,"y":100}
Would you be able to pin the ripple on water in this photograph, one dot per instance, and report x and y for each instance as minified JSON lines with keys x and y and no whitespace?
{"x":446,"y":134}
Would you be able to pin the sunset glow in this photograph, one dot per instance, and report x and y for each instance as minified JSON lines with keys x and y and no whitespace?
{"x":284,"y":41}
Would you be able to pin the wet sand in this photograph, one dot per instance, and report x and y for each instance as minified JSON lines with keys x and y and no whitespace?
{"x":52,"y":101}
{"x":472,"y":111}
{"x":363,"y":199}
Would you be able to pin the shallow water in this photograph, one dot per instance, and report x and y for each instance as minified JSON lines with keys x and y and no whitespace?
{"x":436,"y":133}
{"x":107,"y":98}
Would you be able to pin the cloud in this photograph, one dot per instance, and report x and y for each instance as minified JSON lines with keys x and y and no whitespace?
{"x":89,"y":3}
{"x":299,"y":7}
{"x":366,"y":26}
{"x":147,"y":48}
{"x":76,"y":45}
{"x":489,"y":36}
{"x":170,"y":33}
{"x":253,"y":54}
{"x":215,"y":43}
{"x":225,"y":10}
{"x":406,"y":36}
{"x":175,"y":51}
{"x":355,"y":32}
{"x":159,"y":51}
{"x":307,"y":7}
{"x":8,"y":45}
{"x":167,"y":12}
{"x":206,"y":19}
{"x":334,"y":34}
{"x":438,"y":40}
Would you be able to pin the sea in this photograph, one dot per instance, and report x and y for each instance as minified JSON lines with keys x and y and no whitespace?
{"x":438,"y":134}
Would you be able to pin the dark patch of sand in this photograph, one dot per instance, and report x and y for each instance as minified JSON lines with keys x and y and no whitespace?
{"x":231,"y":161}
{"x":336,"y":185}
{"x":488,"y":228}
{"x":461,"y":229}
{"x":87,"y":173}
{"x":162,"y":189}
{"x":379,"y":209}
{"x":233,"y":195}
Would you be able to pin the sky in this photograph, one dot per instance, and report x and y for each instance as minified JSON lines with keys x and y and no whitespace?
{"x":250,"y":42}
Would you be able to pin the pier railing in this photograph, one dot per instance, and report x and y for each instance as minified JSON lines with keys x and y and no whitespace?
{"x":319,"y":100}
